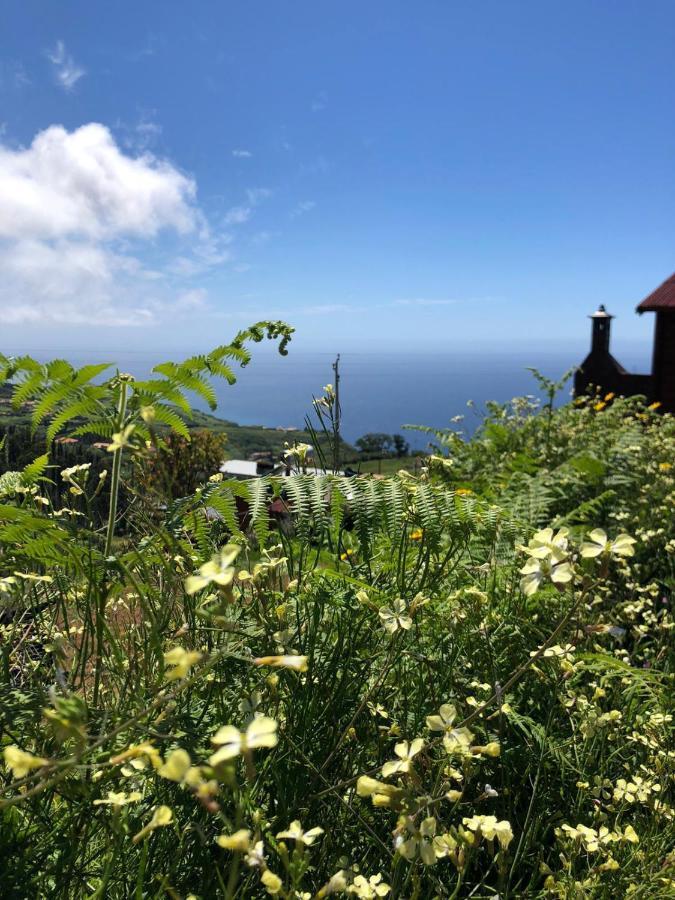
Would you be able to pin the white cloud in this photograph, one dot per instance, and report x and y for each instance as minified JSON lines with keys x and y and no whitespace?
{"x":12,"y":75}
{"x":257,"y":195}
{"x":80,"y":184}
{"x":303,"y":207}
{"x":77,"y":215}
{"x":237,"y":215}
{"x":66,"y":70}
{"x":242,"y":154}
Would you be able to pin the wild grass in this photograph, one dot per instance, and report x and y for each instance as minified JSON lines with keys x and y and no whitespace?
{"x":455,"y":683}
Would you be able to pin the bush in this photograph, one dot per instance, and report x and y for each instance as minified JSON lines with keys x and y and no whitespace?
{"x":457,"y":684}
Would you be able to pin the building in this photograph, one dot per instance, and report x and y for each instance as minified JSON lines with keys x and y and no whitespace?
{"x":601,"y":371}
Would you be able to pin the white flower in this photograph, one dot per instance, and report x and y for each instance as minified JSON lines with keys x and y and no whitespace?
{"x":395,"y":618}
{"x":262,"y":732}
{"x":218,"y":570}
{"x":294,"y":832}
{"x":536,"y":570}
{"x":600,"y":543}
{"x":546,"y":544}
{"x":405,"y":752}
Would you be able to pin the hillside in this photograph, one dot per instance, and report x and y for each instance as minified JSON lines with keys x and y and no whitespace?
{"x":242,"y":440}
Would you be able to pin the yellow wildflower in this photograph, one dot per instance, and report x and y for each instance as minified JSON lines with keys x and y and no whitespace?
{"x":162,"y":816}
{"x":405,"y":752}
{"x":295,"y":833}
{"x":490,"y":828}
{"x":369,"y":889}
{"x":262,"y":732}
{"x":121,"y":439}
{"x":182,"y":661}
{"x":21,"y":762}
{"x":118,"y":799}
{"x":299,"y":663}
{"x":239,"y":842}
{"x":176,"y":765}
{"x":273,"y":884}
{"x":218,"y":570}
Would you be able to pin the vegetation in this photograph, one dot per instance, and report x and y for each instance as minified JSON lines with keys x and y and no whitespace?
{"x":377,"y":445}
{"x":456,"y":683}
{"x":22,"y":444}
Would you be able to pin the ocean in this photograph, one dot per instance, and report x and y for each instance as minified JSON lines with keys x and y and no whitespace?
{"x":379,"y":391}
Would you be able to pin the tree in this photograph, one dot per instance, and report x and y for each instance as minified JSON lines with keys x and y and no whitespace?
{"x":374,"y":444}
{"x":401,"y":446}
{"x":179,"y":466}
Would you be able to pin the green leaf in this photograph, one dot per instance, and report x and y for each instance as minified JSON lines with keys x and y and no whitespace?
{"x":34,"y":470}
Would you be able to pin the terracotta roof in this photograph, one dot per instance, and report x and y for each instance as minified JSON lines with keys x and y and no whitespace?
{"x":662,"y":298}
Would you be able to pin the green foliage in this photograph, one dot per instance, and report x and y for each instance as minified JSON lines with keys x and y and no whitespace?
{"x":376,"y":445}
{"x":317,"y":685}
{"x":181,"y":461}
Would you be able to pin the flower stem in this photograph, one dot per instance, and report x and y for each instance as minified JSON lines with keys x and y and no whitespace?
{"x":116,"y":469}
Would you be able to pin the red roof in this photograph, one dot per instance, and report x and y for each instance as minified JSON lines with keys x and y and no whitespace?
{"x":662,"y":298}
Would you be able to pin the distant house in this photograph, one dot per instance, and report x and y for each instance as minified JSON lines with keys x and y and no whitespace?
{"x":240,"y":468}
{"x":257,"y":468}
{"x":601,"y":370}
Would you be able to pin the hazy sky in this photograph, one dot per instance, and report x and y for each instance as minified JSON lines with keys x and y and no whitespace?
{"x":432,"y":173}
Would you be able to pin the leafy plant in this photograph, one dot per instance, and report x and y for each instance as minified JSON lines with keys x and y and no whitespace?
{"x":450,"y":684}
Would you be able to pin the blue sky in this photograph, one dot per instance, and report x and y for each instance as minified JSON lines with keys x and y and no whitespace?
{"x":381,"y":174}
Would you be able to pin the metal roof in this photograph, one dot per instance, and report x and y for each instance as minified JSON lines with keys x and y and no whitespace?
{"x":662,"y":298}
{"x":240,"y":468}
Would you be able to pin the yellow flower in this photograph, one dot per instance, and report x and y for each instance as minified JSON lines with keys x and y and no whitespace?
{"x":136,"y":752}
{"x":67,"y":474}
{"x":599,"y":406}
{"x":218,"y":570}
{"x":665,"y":466}
{"x":299,"y":663}
{"x":416,"y":534}
{"x":609,"y":396}
{"x":654,"y":405}
{"x":29,"y":576}
{"x":461,"y":491}
{"x":262,"y":732}
{"x":381,"y":794}
{"x":239,"y":842}
{"x":405,"y":752}
{"x":20,"y":762}
{"x":294,"y":832}
{"x":118,"y":799}
{"x":182,"y":661}
{"x":419,"y":841}
{"x":121,"y":439}
{"x":455,"y":740}
{"x":491,"y":749}
{"x":490,"y":828}
{"x":176,"y":765}
{"x":162,"y":816}
{"x":369,"y":889}
{"x":273,"y":884}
